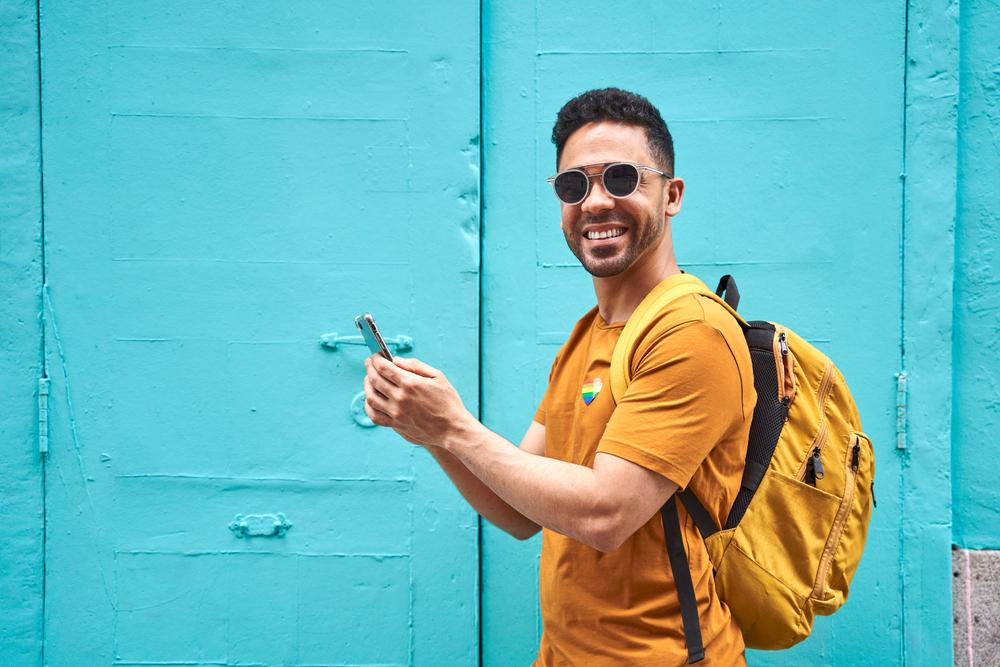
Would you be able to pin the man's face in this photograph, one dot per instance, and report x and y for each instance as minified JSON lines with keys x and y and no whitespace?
{"x":641,"y":214}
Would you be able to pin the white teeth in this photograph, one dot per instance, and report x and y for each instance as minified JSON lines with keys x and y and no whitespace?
{"x":604,"y":235}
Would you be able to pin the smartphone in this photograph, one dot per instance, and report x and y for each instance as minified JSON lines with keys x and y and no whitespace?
{"x":372,"y":337}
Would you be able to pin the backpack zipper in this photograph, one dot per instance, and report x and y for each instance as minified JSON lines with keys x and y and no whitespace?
{"x":855,"y":458}
{"x":817,"y":465}
{"x":825,"y":385}
{"x":781,"y":365}
{"x":786,"y":398}
{"x":829,"y":550}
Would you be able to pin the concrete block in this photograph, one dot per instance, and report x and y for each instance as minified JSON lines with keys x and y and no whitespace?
{"x":976,"y":607}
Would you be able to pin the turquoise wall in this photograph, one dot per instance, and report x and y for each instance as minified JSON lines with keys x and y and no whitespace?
{"x":21,"y":471}
{"x":226,"y":186}
{"x":976,"y":419}
{"x":223,"y":184}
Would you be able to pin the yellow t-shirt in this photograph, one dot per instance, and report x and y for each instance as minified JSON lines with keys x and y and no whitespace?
{"x":686,"y":415}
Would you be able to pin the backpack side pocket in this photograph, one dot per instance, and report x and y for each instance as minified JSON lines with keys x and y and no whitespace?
{"x":768,"y":570}
{"x":843,"y":549}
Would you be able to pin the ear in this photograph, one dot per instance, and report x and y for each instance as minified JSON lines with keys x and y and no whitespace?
{"x":674,"y":194}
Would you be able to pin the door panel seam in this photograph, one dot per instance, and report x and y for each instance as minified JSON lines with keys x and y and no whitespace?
{"x":42,"y":323}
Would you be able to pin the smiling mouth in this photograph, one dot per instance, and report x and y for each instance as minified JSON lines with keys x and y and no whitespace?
{"x":597,"y":237}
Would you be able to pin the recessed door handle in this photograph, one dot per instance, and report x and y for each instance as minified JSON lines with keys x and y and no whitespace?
{"x":260,"y":525}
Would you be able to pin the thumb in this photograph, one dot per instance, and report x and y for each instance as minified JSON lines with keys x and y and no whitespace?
{"x":416,"y":366}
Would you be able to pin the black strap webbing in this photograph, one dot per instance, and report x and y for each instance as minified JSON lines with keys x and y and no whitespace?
{"x":682,"y":580}
{"x":702,"y":519}
{"x":768,"y":418}
{"x":753,"y":475}
{"x":728,"y":291}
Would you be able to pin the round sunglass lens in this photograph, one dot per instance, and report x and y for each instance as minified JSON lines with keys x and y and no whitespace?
{"x":571,"y":186}
{"x":621,"y":180}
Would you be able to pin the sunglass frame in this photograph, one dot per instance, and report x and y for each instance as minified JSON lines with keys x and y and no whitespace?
{"x":639,"y":168}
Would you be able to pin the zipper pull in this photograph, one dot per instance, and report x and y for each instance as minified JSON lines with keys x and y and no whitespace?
{"x":785,"y":398}
{"x":855,"y":456}
{"x":817,"y":464}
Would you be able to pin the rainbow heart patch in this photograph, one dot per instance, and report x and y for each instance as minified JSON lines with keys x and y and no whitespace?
{"x":591,"y":390}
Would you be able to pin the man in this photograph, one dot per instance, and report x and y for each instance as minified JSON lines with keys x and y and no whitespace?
{"x":591,"y":474}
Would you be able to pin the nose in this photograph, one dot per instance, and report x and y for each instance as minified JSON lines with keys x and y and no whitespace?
{"x":598,"y":198}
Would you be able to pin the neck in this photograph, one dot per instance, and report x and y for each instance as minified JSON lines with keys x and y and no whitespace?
{"x":618,"y":296}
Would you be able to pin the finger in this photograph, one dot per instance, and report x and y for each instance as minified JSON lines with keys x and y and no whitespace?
{"x":370,"y":361}
{"x":387,"y":369}
{"x":377,"y":416}
{"x":372,"y":390}
{"x":416,"y":366}
{"x":379,"y":403}
{"x":386,"y":389}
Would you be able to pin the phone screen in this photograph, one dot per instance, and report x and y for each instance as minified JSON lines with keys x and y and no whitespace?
{"x":366,"y":323}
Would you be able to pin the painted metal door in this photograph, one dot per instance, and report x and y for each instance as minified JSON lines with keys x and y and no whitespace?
{"x":787,"y":121}
{"x":225,"y":184}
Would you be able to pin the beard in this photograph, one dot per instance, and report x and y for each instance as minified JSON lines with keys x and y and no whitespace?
{"x":610,"y":260}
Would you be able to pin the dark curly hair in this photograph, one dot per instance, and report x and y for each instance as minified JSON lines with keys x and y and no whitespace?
{"x":618,"y":105}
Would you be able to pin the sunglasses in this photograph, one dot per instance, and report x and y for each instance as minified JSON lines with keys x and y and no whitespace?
{"x":620,"y":180}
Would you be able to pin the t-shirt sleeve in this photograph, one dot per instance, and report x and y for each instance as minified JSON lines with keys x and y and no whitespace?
{"x":540,"y":412}
{"x":685,"y":395}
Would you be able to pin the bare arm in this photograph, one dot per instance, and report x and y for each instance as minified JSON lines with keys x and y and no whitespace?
{"x":493,"y":508}
{"x":600,"y":506}
{"x":518,"y":489}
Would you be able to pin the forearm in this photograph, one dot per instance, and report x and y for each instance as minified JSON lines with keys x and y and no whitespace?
{"x":482,"y":498}
{"x":560,"y":496}
{"x":419,"y":403}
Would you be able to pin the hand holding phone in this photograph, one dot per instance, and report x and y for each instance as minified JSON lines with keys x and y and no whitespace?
{"x":366,"y":323}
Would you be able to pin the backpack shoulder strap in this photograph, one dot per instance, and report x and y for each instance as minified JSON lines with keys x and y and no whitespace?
{"x":642,"y":318}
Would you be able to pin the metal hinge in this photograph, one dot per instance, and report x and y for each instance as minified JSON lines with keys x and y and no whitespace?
{"x":43,"y":416}
{"x":901,"y":410}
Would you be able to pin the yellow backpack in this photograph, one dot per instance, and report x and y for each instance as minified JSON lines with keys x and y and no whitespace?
{"x":795,"y":533}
